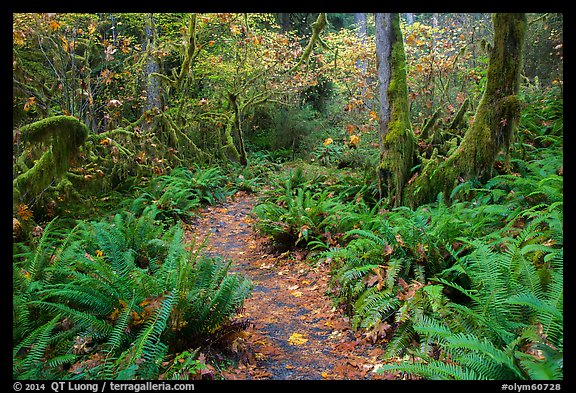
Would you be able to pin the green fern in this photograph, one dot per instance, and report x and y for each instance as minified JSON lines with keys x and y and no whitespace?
{"x":34,"y":346}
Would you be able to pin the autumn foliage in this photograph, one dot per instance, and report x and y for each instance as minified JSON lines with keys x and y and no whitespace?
{"x":195,"y":196}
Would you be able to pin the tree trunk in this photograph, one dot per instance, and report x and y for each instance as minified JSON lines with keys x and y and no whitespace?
{"x":152,"y":82}
{"x":285,"y":22}
{"x":362,"y":25}
{"x":495,"y":121}
{"x":397,"y":141}
{"x":435,"y":20}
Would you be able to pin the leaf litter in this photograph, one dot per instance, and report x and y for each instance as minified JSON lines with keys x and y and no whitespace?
{"x":294,"y":332}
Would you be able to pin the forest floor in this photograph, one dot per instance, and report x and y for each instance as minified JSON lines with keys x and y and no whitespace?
{"x":293,"y":330}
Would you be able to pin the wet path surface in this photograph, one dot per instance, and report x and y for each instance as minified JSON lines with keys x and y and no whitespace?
{"x":294,"y":331}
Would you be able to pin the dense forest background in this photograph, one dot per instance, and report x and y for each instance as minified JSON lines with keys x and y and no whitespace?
{"x":124,"y":125}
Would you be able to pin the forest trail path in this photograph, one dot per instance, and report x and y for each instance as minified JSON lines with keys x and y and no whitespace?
{"x":294,"y":331}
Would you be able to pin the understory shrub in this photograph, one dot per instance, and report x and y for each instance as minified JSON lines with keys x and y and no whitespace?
{"x":116,"y":298}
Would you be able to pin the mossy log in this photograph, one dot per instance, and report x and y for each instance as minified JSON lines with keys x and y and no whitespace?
{"x":63,"y":136}
{"x":495,"y":121}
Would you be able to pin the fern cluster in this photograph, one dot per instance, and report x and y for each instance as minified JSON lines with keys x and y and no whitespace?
{"x":474,"y":289}
{"x":178,"y":193}
{"x":113,"y":298}
{"x":303,"y":210}
{"x":512,"y":325}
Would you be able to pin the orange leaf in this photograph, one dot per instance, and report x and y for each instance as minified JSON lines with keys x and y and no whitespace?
{"x":24,"y":212}
{"x":29,"y":103}
{"x":54,"y":25}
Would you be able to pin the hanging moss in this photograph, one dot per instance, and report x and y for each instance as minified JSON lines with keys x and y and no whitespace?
{"x":495,"y":121}
{"x":398,"y":142}
{"x":63,"y":135}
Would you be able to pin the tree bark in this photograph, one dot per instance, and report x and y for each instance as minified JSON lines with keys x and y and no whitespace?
{"x":397,"y":141}
{"x":152,"y":67}
{"x":496,"y":119}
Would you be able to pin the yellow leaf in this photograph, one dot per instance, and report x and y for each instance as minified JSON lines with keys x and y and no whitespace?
{"x":296,"y":293}
{"x":324,"y":374}
{"x":297,"y":339}
{"x":99,"y":253}
{"x":328,"y":141}
{"x":354,"y":139}
{"x":91,"y":28}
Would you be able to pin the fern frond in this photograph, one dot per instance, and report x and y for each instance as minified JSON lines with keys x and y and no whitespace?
{"x":90,"y":322}
{"x":148,"y":344}
{"x":372,"y":307}
{"x":434,"y":370}
{"x":37,"y":342}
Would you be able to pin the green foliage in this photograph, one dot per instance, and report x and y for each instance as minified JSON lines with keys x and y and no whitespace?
{"x":276,"y":128}
{"x":177,"y":194}
{"x":513,"y":326}
{"x":477,"y":284}
{"x":301,"y":209}
{"x":115,"y":299}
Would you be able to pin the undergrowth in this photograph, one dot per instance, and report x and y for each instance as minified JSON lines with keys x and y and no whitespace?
{"x":117,"y":298}
{"x":469,"y":287}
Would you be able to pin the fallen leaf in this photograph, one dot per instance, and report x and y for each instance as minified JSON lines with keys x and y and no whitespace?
{"x":324,"y":374}
{"x":293,"y":287}
{"x":297,"y":339}
{"x":296,"y":293}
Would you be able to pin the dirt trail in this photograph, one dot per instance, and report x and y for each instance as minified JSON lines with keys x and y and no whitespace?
{"x":295,"y":332}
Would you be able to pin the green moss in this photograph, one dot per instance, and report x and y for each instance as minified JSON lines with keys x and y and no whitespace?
{"x":399,"y":142}
{"x":495,"y":121}
{"x":63,"y":135}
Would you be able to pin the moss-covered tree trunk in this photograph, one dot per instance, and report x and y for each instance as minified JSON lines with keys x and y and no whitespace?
{"x":397,"y":141}
{"x":495,"y":121}
{"x":235,"y":132}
